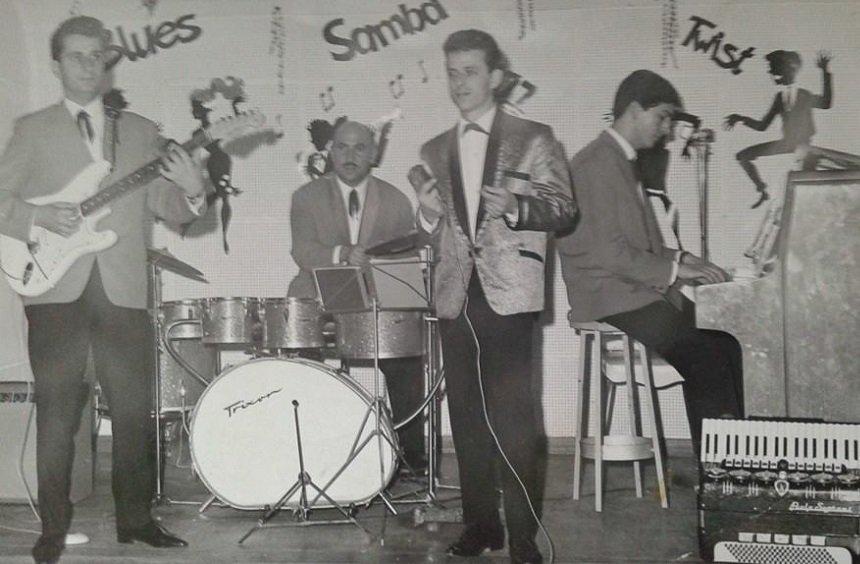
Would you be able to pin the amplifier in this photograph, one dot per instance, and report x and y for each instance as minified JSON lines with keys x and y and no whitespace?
{"x":16,"y":400}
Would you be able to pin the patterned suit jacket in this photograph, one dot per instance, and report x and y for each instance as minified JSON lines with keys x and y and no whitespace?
{"x":615,"y":261}
{"x":44,"y":153}
{"x":318,"y":223}
{"x":525,"y":157}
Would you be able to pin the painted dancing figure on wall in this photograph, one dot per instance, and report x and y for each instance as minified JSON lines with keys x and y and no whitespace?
{"x":794,"y":105}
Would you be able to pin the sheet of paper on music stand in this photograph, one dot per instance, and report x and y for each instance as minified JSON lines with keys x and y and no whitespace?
{"x":342,"y":289}
{"x":399,"y":283}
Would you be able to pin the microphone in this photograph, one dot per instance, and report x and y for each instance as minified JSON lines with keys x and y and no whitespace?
{"x":695,"y":121}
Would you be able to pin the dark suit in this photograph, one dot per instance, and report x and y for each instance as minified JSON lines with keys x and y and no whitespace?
{"x":617,"y":269}
{"x":487,"y":293}
{"x":318,"y":220}
{"x":99,"y":303}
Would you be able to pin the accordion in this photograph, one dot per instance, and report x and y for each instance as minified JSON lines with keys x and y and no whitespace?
{"x":779,"y":492}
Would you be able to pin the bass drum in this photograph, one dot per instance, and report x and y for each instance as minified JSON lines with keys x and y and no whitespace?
{"x":243,"y":435}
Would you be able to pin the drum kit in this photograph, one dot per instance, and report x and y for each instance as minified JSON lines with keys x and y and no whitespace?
{"x":260,"y":425}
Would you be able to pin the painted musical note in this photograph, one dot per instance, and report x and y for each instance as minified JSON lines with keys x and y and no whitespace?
{"x":424,"y":77}
{"x":396,"y":86}
{"x":327,"y":99}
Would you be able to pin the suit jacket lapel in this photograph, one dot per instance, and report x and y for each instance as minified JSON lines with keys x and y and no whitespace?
{"x":652,"y":230}
{"x":369,"y":213}
{"x":456,"y":176}
{"x":490,"y":160}
{"x":336,"y":208}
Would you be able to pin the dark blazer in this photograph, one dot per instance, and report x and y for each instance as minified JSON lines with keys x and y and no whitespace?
{"x":525,"y":157}
{"x":44,"y":153}
{"x":615,"y":260}
{"x":318,"y":223}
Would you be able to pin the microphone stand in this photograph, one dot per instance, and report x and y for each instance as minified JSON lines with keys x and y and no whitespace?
{"x":701,"y":141}
{"x":302,"y":511}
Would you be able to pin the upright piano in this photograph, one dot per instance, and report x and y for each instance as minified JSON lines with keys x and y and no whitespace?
{"x":798,"y":321}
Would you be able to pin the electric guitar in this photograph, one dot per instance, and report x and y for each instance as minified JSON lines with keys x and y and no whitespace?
{"x":35,"y":266}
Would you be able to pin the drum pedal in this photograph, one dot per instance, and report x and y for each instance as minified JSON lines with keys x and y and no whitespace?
{"x":431,"y":515}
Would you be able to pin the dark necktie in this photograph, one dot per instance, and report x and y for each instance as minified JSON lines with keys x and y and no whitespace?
{"x":84,"y":125}
{"x":353,"y":203}
{"x":472,"y":126}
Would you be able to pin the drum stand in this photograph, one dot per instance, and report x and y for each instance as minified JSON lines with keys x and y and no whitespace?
{"x":155,"y":285}
{"x":375,"y":407}
{"x":161,"y":342}
{"x":302,"y":512}
{"x":433,"y":375}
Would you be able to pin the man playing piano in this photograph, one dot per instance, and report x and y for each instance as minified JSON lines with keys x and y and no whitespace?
{"x":619,"y":271}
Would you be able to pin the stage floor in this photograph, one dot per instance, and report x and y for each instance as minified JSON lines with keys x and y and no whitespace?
{"x":629,"y":529}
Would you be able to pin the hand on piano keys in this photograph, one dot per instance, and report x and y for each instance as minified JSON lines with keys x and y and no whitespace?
{"x":696,"y":271}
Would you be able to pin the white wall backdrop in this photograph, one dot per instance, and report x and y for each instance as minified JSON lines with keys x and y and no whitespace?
{"x":575,"y":52}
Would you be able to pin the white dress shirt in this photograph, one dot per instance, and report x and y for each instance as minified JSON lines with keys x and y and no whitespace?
{"x":353,"y":222}
{"x":473,"y":152}
{"x":96,"y":111}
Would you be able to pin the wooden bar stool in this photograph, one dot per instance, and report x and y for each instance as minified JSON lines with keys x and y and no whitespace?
{"x":631,"y":447}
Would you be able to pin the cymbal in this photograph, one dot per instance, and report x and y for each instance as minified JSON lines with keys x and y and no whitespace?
{"x":162,"y":258}
{"x":394,"y":246}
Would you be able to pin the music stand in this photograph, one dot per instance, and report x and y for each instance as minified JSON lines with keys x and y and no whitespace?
{"x":344,"y":289}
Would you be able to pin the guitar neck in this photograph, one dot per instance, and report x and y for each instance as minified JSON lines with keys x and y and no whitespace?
{"x":138,"y":178}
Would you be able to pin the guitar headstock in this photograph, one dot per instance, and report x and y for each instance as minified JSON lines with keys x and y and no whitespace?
{"x":232,"y":127}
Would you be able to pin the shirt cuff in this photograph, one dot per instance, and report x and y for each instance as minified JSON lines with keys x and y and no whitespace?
{"x":675,"y":265}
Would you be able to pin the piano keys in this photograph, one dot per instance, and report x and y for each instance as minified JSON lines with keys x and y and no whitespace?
{"x":798,"y":323}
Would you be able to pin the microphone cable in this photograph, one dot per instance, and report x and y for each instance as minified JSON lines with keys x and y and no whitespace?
{"x":480,"y":375}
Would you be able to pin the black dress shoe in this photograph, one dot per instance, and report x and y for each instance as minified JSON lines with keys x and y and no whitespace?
{"x":525,"y":552}
{"x":48,"y":548}
{"x":152,"y":534}
{"x":476,"y":539}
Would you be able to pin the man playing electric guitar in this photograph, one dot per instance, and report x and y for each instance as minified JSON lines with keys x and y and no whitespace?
{"x":99,"y":303}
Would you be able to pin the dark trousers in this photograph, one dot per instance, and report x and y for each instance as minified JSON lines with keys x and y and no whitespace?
{"x":121,"y":339}
{"x":709,"y":361}
{"x":404,"y":378}
{"x":503,"y":389}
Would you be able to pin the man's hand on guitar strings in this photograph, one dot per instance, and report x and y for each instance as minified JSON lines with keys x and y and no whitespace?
{"x":183,"y":170}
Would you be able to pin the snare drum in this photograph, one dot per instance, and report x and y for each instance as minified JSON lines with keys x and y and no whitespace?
{"x":244,"y":442}
{"x":292,"y":323}
{"x":401,"y":334}
{"x":231,"y":321}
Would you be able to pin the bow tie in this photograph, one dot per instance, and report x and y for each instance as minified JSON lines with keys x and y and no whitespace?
{"x":472,"y":126}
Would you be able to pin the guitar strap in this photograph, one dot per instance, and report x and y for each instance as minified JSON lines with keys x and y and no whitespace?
{"x":111,"y":136}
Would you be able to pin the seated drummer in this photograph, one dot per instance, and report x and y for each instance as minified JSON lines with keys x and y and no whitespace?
{"x":334,"y":219}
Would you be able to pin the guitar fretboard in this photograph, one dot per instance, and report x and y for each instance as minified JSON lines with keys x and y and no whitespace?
{"x":138,"y":178}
